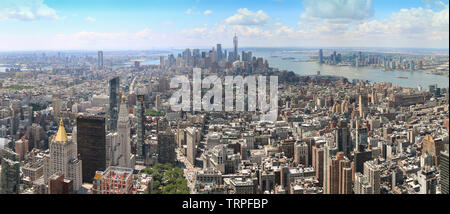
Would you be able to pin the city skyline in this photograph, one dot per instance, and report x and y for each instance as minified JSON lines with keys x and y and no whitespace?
{"x":96,"y":25}
{"x":316,"y":102}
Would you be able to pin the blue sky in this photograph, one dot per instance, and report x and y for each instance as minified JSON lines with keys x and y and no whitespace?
{"x":137,"y":24}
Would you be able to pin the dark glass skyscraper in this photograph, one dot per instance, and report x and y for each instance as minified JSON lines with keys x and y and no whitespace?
{"x":91,"y":144}
{"x":166,"y":147}
{"x":100,"y":59}
{"x":235,"y":43}
{"x":114,"y":98}
{"x":140,"y":114}
{"x":219,"y":52}
{"x":321,"y":56}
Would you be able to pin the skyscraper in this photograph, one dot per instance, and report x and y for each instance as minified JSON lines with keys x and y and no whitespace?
{"x":372,"y":171}
{"x":329,"y":151}
{"x":444,"y":172}
{"x":191,"y":142}
{"x":162,"y":64}
{"x":114,"y":99}
{"x":140,"y":111}
{"x":64,"y":158}
{"x":433,"y":147}
{"x":10,"y":172}
{"x":362,"y":185}
{"x":91,"y":144}
{"x":317,"y":162}
{"x":301,"y":154}
{"x":219,"y":52}
{"x":321,"y":56}
{"x":123,"y":129}
{"x":166,"y":147}
{"x":338,"y":181}
{"x":346,"y":181}
{"x":363,"y":105}
{"x":235,"y":43}
{"x":361,"y":139}
{"x":427,"y":180}
{"x":342,"y":138}
{"x":100,"y":59}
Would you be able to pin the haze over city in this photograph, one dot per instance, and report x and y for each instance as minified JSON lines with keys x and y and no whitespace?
{"x":143,"y":25}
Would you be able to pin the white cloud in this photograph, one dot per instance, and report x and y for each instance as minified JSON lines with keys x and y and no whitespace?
{"x":207,"y":12}
{"x":339,"y":10}
{"x":26,"y":10}
{"x":247,"y":17}
{"x":415,"y":23}
{"x":412,"y":27}
{"x":90,"y":19}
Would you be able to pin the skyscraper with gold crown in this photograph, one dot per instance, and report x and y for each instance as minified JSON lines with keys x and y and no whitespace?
{"x":64,"y":157}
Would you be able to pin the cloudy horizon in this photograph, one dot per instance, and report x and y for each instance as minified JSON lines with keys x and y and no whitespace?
{"x":137,"y":25}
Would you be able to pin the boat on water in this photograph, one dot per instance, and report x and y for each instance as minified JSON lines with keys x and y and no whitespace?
{"x":403,"y":77}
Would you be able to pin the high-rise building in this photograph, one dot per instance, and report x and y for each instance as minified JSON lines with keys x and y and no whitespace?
{"x":56,"y":104}
{"x":363,"y":103}
{"x":342,"y":138}
{"x":113,"y":150}
{"x":140,"y":114}
{"x":162,"y":63}
{"x":91,"y":144}
{"x":235,"y":45}
{"x":123,"y":129}
{"x":372,"y":172}
{"x":433,"y":147}
{"x":166,"y":147}
{"x":346,"y":180}
{"x":114,"y":180}
{"x":329,"y":151}
{"x":247,"y":56}
{"x":338,"y":181}
{"x":428,"y":181}
{"x":21,"y":147}
{"x":301,"y":154}
{"x":64,"y":158}
{"x":444,"y":172}
{"x":317,"y":162}
{"x":359,"y":159}
{"x":100,"y":59}
{"x":157,"y":102}
{"x":114,"y":101}
{"x":219,"y":52}
{"x":361,"y":139}
{"x":362,"y":185}
{"x":10,"y":172}
{"x":321,"y":56}
{"x":191,"y":142}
